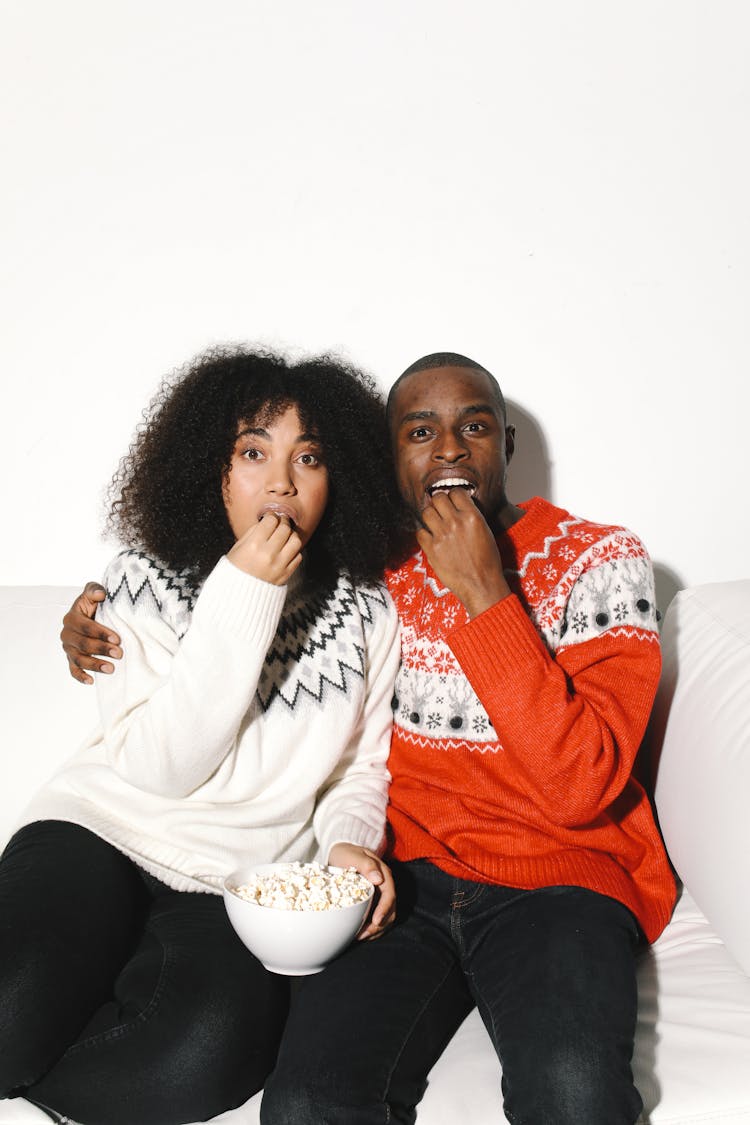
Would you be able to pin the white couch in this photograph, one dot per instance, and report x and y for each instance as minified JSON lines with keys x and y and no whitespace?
{"x":692,"y":1055}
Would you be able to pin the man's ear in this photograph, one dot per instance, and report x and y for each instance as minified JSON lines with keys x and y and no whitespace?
{"x":510,"y":443}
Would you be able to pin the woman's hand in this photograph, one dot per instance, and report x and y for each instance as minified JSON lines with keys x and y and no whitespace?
{"x":379,"y":874}
{"x":84,"y":640}
{"x":270,"y":550}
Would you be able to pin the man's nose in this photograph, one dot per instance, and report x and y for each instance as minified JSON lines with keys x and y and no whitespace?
{"x":450,"y":447}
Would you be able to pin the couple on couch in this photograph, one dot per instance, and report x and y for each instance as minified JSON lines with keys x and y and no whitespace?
{"x":251,"y":721}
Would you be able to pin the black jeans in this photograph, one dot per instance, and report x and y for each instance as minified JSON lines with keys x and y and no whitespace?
{"x":553,"y":975}
{"x":123,"y":1002}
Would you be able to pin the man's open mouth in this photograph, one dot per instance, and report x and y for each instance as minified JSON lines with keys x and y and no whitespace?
{"x":445,"y":484}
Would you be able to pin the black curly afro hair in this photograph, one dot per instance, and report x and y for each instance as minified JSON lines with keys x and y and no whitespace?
{"x":166,"y":496}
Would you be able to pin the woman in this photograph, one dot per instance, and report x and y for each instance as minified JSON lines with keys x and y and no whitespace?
{"x":249,"y":722}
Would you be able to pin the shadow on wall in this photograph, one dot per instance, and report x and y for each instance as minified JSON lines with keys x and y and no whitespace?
{"x":667,"y":583}
{"x":530,"y":474}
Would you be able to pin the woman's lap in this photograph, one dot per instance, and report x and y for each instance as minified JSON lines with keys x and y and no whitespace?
{"x":156,"y":1013}
{"x":185,"y":1025}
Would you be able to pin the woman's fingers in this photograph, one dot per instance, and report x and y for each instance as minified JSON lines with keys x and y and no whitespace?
{"x":374,"y":869}
{"x":269,"y":550}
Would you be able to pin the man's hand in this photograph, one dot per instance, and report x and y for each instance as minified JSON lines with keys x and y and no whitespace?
{"x":379,"y":874}
{"x":462,"y":550}
{"x":84,"y":640}
{"x":270,"y":550}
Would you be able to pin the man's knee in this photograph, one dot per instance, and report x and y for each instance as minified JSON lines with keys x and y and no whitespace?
{"x":567,"y":1086}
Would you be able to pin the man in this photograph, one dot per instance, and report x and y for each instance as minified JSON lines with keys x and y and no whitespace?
{"x":527,"y":863}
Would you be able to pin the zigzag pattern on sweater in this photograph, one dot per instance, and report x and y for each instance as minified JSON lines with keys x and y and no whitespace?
{"x":425,"y":742}
{"x":153,"y":587}
{"x":564,"y":528}
{"x":309,"y":642}
{"x":313,"y":651}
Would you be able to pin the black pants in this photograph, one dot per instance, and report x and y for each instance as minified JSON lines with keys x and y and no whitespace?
{"x":553,"y":975}
{"x":123,"y":1002}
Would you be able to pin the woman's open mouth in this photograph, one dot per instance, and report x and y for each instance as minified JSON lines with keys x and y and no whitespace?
{"x":282,"y":512}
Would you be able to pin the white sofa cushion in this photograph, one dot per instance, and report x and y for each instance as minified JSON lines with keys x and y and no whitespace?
{"x":45,"y":713}
{"x":693,"y":1040}
{"x":702,"y":738}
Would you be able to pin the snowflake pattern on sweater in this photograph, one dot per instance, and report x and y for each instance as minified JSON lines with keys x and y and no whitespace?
{"x":533,"y":786}
{"x":587,"y":580}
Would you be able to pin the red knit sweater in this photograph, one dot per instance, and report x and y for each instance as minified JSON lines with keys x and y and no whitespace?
{"x":516,"y":733}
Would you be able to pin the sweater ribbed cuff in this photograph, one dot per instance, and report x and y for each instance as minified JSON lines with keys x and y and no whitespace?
{"x":351,"y":830}
{"x":493,"y":646}
{"x":239,"y":603}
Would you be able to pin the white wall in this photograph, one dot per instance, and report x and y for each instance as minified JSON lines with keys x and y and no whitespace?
{"x":558,"y":188}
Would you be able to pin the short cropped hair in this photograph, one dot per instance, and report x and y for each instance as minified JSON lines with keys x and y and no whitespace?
{"x":446,"y":359}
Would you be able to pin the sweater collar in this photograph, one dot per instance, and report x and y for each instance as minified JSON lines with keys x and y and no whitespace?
{"x":540,"y":520}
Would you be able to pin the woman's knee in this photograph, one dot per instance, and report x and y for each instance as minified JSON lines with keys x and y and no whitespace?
{"x":234,"y":1043}
{"x":318,"y":1100}
{"x":187,"y":1039}
{"x":221,"y":1051}
{"x":155,"y":1073}
{"x":285,"y":1103}
{"x":21,"y":1063}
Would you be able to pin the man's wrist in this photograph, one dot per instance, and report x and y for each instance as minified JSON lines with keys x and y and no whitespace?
{"x":480,"y":602}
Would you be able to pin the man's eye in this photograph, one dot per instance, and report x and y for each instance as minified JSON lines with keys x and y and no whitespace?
{"x":474,"y":427}
{"x":419,"y":433}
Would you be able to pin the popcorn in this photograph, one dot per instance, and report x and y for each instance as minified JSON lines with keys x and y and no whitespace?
{"x":306,"y":886}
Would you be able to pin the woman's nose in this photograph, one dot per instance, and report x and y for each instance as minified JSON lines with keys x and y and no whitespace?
{"x":279,"y":480}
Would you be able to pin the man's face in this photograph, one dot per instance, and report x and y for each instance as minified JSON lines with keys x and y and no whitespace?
{"x":448,"y":431}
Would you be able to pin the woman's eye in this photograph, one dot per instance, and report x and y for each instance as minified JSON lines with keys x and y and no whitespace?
{"x":309,"y":459}
{"x":251,"y":454}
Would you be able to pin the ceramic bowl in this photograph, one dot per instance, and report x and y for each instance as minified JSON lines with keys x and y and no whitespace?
{"x":291,"y":942}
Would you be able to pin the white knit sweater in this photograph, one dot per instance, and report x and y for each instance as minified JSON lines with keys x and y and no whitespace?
{"x":245,"y":723}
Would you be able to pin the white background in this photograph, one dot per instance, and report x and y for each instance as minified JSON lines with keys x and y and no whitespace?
{"x":557,"y":188}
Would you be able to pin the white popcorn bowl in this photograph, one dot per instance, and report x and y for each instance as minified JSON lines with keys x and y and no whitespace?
{"x":291,"y":942}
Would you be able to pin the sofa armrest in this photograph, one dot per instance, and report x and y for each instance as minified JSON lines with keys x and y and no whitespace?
{"x":701,"y":743}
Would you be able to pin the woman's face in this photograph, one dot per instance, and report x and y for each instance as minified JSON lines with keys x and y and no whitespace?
{"x":276,"y":467}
